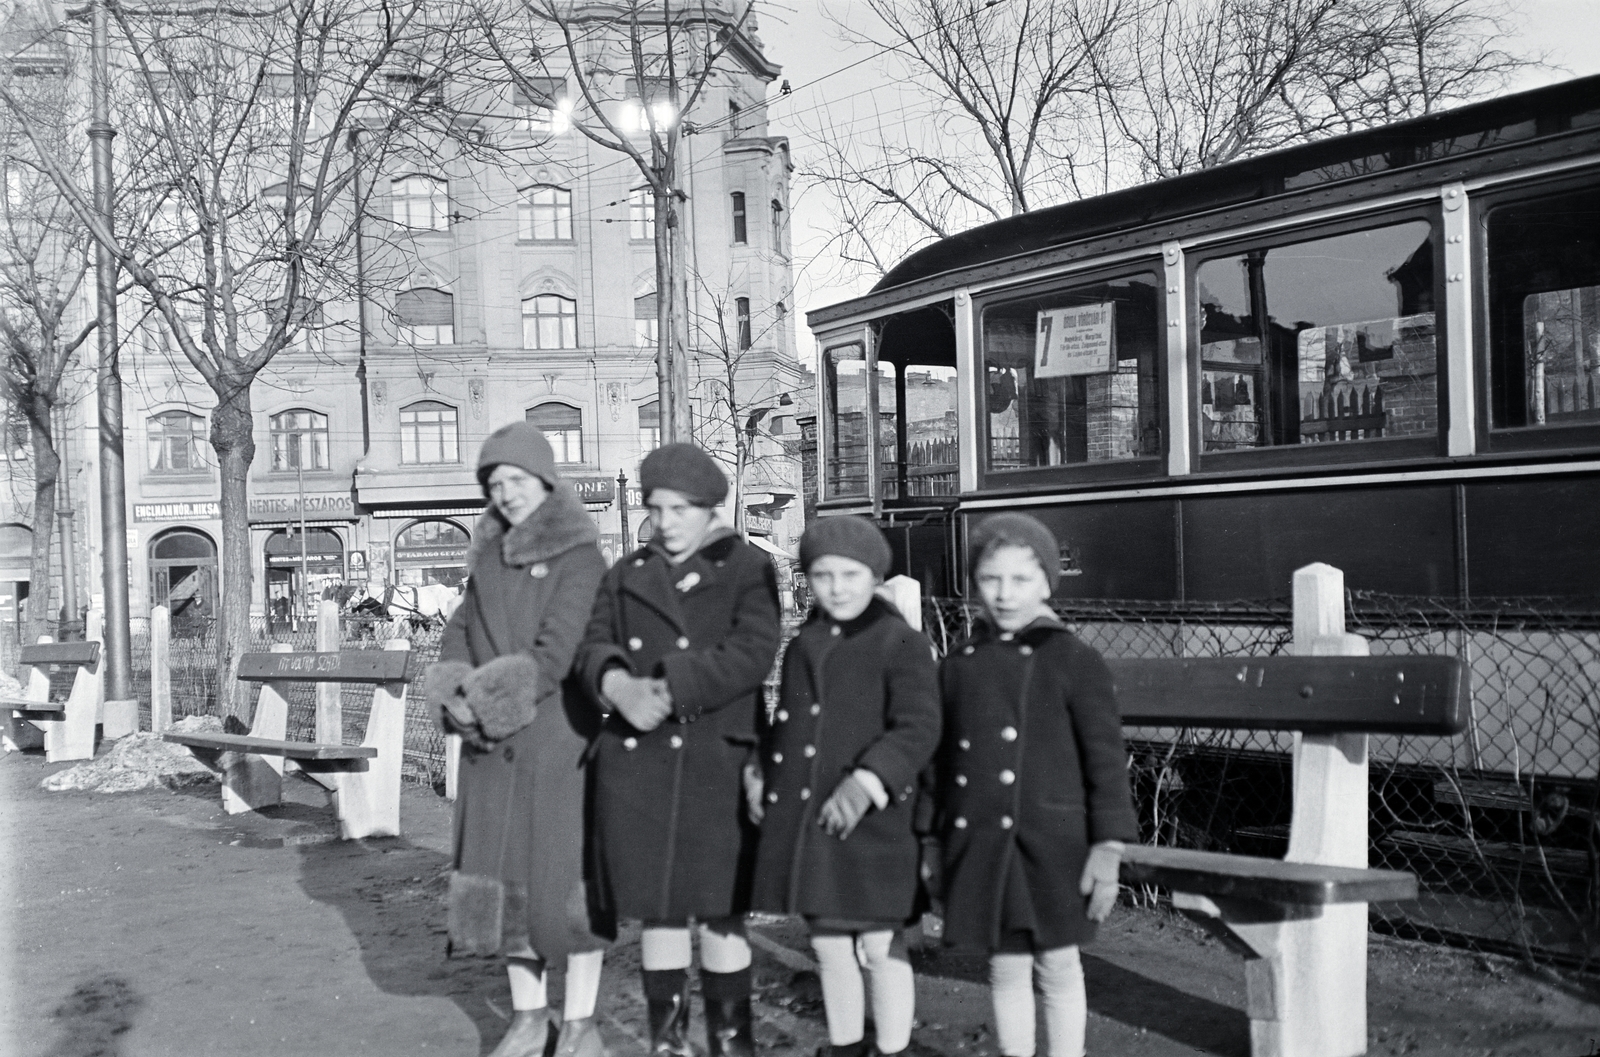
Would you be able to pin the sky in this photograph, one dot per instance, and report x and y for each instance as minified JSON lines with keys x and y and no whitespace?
{"x":833,"y":85}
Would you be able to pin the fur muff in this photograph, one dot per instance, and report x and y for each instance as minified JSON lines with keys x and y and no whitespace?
{"x":442,"y":686}
{"x":502,"y":694}
{"x":476,"y":913}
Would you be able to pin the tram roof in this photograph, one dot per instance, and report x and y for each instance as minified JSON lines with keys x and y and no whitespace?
{"x":1505,"y":120}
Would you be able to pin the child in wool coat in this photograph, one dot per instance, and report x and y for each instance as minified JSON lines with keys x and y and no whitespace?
{"x":1033,"y":800}
{"x":857,"y":721}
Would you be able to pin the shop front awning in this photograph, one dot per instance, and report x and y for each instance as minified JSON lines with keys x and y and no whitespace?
{"x":771,"y":548}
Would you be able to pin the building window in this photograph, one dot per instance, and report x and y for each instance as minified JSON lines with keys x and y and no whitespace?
{"x":1073,"y":375}
{"x":428,"y":434}
{"x":735,"y":119}
{"x":653,"y":105}
{"x":562,"y":425}
{"x":777,"y":226}
{"x":741,"y":311}
{"x":299,"y":440}
{"x":646,"y":324}
{"x":178,"y":443}
{"x":650,"y":426}
{"x":1319,"y":341}
{"x":641,"y":213}
{"x":545,"y":214}
{"x":740,"y":232}
{"x":1544,"y":312}
{"x":420,"y":202}
{"x":543,"y":103}
{"x":425,"y":317}
{"x":549,"y":321}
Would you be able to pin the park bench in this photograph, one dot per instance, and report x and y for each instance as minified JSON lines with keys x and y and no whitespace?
{"x":66,"y":723}
{"x":364,"y":779}
{"x":1299,"y":922}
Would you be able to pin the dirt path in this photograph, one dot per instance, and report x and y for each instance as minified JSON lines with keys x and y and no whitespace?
{"x":146,"y":924}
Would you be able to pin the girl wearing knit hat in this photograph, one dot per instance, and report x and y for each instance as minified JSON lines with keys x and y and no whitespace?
{"x":517,"y":887}
{"x":1033,"y":798}
{"x":683,"y":634}
{"x":857,"y":719}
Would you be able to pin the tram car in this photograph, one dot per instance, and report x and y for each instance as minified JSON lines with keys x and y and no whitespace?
{"x":1380,"y":350}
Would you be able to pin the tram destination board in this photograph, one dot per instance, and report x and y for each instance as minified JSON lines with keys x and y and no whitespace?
{"x":348,"y":666}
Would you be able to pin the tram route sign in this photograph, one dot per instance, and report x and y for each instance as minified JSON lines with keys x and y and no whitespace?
{"x":1077,"y":340}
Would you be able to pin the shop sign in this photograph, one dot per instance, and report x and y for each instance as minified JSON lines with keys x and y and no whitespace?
{"x":201,"y":510}
{"x":318,"y":505}
{"x":757,"y":523}
{"x":594,"y":490}
{"x":430,"y":555}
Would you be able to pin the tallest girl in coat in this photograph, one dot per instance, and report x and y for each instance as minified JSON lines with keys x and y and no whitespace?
{"x":683,"y":635}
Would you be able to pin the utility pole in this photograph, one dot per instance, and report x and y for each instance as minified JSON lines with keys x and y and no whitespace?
{"x":113,"y":487}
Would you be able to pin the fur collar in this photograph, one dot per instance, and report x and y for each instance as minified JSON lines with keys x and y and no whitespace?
{"x":559,"y":525}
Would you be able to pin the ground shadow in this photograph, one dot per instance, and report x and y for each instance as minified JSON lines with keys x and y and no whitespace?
{"x":390,"y":893}
{"x":94,"y":1017}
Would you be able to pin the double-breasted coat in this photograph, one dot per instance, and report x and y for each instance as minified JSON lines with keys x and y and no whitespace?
{"x":671,"y":837}
{"x":862,"y":693}
{"x":1031,"y":772}
{"x":519,"y":811}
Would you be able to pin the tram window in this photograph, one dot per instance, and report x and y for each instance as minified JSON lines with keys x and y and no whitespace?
{"x":847,"y":419}
{"x":1073,"y":375}
{"x":1327,"y":340}
{"x":1544,"y":311}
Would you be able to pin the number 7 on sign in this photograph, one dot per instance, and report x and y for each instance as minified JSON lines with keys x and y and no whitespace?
{"x":1045,"y":323}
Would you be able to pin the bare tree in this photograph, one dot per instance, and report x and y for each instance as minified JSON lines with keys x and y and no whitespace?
{"x":640,"y":68}
{"x":237,"y":167}
{"x":43,"y":266}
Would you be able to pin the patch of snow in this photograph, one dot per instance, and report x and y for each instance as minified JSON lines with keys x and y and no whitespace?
{"x":140,"y":761}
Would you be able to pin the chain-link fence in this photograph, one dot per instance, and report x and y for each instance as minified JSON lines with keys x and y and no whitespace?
{"x":1501,"y":825}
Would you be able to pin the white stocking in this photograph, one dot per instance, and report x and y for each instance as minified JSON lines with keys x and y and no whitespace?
{"x":583,"y":984}
{"x":527,"y":985}
{"x":1066,"y":1008}
{"x":1011,"y":990}
{"x":894,"y":992}
{"x":842,"y":994}
{"x":723,"y":952}
{"x":665,"y":948}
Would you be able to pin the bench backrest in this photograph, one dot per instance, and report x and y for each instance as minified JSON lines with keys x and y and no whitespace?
{"x":1325,"y":695}
{"x":346,"y":666}
{"x":83,"y":654}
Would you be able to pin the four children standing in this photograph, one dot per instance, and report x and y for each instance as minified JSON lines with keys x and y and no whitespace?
{"x":702,"y":806}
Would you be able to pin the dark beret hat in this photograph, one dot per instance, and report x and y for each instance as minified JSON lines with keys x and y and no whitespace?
{"x":1019,"y":530}
{"x":849,"y":536}
{"x":519,"y":444}
{"x":683,"y":468}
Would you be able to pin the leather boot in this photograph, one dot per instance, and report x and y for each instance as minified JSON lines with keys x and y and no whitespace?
{"x":729,"y":1032}
{"x":666,"y":993}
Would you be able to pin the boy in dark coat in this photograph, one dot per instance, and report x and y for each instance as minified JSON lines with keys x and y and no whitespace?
{"x":857,"y":720}
{"x":683,"y":634}
{"x":1033,"y":789}
{"x":517,"y":888}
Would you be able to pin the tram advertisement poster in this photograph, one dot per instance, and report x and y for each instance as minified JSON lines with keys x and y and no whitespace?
{"x":1077,"y":340}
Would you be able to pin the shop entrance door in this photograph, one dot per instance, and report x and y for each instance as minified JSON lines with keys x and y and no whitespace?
{"x":183,"y":577}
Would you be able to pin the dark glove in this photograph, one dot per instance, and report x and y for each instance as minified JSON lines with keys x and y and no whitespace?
{"x":847,"y":806}
{"x":442,"y":689}
{"x":1099,"y":881}
{"x":930,"y":868}
{"x":754,"y":786}
{"x":503,"y":694}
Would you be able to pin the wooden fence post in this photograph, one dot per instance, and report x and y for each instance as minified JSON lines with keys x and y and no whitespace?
{"x":330,"y":721}
{"x":160,"y":669}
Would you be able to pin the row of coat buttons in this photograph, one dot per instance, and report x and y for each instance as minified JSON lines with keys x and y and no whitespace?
{"x":1006,"y":734}
{"x":1005,"y":822}
{"x":631,"y":743}
{"x":1006,"y":778}
{"x":809,"y":751}
{"x":636,"y":643}
{"x":783,"y":713}
{"x":805,"y":794}
{"x":1025,"y":650}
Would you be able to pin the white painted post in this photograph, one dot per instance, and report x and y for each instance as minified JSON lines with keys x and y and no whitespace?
{"x":160,"y":669}
{"x":329,"y":725}
{"x":249,"y":780}
{"x":368,"y":802}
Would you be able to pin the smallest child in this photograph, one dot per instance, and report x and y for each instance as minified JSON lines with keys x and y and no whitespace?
{"x":835,"y":795}
{"x":1033,"y":801}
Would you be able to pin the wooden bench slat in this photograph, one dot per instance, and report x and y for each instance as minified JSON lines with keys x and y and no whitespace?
{"x":346,"y":666}
{"x":79,"y":653}
{"x":1215,"y":874}
{"x":23,"y":704}
{"x":1320,"y":695}
{"x":294,"y":750}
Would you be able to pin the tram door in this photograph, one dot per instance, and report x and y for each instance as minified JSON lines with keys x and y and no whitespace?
{"x":183,"y":577}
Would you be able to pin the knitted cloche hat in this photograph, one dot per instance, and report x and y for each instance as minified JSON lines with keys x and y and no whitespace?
{"x":1018,"y":530}
{"x":683,"y":468}
{"x":520,"y":444}
{"x":849,"y":536}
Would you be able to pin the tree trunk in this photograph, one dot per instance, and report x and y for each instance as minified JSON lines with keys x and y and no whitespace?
{"x":233,"y":438}
{"x":46,"y":471}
